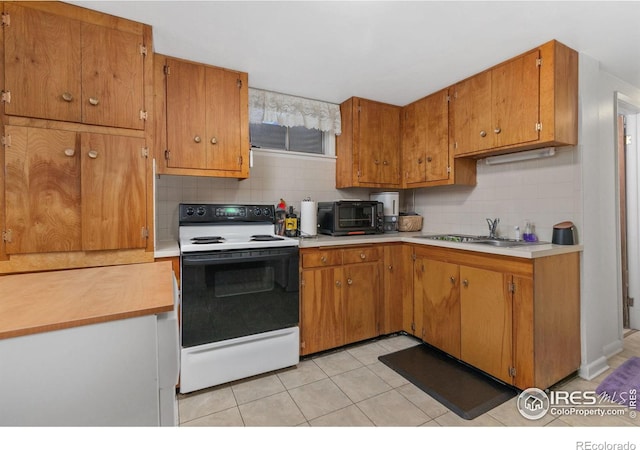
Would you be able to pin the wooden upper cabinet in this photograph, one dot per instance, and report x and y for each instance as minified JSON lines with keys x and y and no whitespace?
{"x":112,"y":77}
{"x":114,"y":172}
{"x":42,"y":188}
{"x":425,"y":144}
{"x":42,"y":64}
{"x":527,"y":102}
{"x":368,"y":150}
{"x":206,"y":121}
{"x":60,"y":68}
{"x":68,"y":191}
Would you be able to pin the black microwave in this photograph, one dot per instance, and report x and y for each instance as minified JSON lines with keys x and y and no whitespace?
{"x":350,"y":217}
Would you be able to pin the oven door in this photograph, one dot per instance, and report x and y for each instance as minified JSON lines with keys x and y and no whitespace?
{"x":234,"y":293}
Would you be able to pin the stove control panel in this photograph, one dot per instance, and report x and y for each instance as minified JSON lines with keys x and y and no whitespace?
{"x":190,"y":213}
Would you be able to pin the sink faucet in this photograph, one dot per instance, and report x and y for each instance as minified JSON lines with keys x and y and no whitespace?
{"x":493,"y":225}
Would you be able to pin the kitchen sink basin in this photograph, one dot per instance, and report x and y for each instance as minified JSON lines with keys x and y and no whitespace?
{"x":486,"y":240}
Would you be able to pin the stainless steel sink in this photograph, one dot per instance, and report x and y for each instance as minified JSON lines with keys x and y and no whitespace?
{"x":486,"y":240}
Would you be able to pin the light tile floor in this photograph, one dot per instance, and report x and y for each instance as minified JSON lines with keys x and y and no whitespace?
{"x":350,"y":388}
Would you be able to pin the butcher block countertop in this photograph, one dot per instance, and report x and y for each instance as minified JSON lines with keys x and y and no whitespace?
{"x":45,"y":301}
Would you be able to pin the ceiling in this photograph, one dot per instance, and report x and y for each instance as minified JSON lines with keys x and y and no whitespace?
{"x":390,"y":51}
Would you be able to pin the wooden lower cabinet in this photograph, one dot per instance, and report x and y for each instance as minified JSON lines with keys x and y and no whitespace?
{"x":516,"y":319}
{"x":340,"y":296}
{"x":486,"y":321}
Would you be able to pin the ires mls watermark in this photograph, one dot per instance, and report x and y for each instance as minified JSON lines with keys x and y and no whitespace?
{"x":534,"y":403}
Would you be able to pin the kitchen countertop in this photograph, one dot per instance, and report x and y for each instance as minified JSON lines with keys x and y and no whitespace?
{"x":171,"y":248}
{"x":45,"y":301}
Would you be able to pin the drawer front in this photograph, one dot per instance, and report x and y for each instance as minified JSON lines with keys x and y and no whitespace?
{"x":321,"y":258}
{"x":360,"y":255}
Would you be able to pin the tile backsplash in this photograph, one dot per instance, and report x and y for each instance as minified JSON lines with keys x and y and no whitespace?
{"x":274,"y":175}
{"x":544,"y":191}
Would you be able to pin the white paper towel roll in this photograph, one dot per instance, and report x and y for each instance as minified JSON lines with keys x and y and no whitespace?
{"x":308,"y":218}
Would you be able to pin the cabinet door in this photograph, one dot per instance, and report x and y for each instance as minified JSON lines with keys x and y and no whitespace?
{"x":361,"y":298}
{"x":112,"y":77}
{"x":321,"y":315}
{"x":440,"y":296}
{"x":113,"y":192}
{"x":224,"y":119}
{"x":486,"y":321}
{"x":515,"y":92}
{"x":42,"y":190}
{"x":414,"y":142}
{"x":186,"y":115}
{"x":471,"y":114}
{"x":42,"y":64}
{"x":378,"y":142}
{"x":437,"y":148}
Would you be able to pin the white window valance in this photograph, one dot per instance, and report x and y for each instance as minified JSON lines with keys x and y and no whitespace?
{"x":292,"y":111}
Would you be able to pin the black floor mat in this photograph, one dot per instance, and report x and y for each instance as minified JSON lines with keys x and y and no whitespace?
{"x":463,"y":389}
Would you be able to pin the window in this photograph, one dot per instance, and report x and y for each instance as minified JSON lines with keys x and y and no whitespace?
{"x":285,"y":122}
{"x":295,"y":139}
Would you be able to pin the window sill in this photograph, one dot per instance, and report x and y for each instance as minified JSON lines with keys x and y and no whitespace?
{"x":291,"y":154}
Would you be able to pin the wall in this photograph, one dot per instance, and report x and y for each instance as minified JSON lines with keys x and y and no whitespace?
{"x":274,"y":175}
{"x":601,"y":282}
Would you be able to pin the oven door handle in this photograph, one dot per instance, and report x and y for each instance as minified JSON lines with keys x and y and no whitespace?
{"x":204,"y":260}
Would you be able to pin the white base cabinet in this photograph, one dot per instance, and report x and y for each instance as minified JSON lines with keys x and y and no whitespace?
{"x":118,"y":373}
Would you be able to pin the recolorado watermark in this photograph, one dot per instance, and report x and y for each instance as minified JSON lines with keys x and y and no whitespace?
{"x":534,"y":403}
{"x":590,"y":445}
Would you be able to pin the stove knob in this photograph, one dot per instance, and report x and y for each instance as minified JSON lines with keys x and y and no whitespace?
{"x":267,"y":212}
{"x":257,"y":211}
{"x":201,"y":211}
{"x":190,"y":211}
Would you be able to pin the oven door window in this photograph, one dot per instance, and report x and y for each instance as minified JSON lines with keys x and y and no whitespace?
{"x":355,"y":217}
{"x":232,"y":297}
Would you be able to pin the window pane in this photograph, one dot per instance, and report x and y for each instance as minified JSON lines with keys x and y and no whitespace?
{"x":264,"y":135}
{"x":303,"y":139}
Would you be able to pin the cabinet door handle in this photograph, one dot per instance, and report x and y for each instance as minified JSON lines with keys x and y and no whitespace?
{"x":323,"y":259}
{"x":214,"y":141}
{"x":465,"y":283}
{"x":339,"y":283}
{"x":429,"y":159}
{"x":385,"y":163}
{"x":483,"y":133}
{"x":453,"y":280}
{"x":349,"y":281}
{"x":390,"y":267}
{"x":93,"y":154}
{"x":419,"y":160}
{"x":69,"y":152}
{"x":94,"y":101}
{"x":197,"y":139}
{"x":375,"y":161}
{"x":363,"y":256}
{"x":67,"y":97}
{"x":497,"y":130}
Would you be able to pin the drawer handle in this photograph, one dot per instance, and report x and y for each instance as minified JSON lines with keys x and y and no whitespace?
{"x":67,"y":97}
{"x":376,"y":162}
{"x":465,"y":283}
{"x":453,"y":280}
{"x":483,"y":133}
{"x":92,"y":154}
{"x":323,"y":259}
{"x":197,"y":139}
{"x":339,"y":283}
{"x":385,"y":163}
{"x":349,"y":281}
{"x":214,"y":141}
{"x":363,"y":256}
{"x":69,"y":152}
{"x":94,"y":101}
{"x":497,"y":130}
{"x":429,"y":159}
{"x":419,"y":160}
